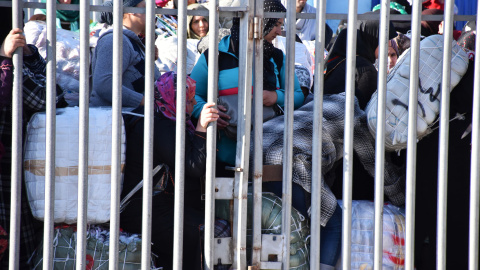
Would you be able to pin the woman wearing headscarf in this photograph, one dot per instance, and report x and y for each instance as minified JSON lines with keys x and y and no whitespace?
{"x":66,"y":19}
{"x":133,"y":70}
{"x":273,"y":75}
{"x":165,"y":114}
{"x":365,"y":73}
{"x":392,"y":54}
{"x":197,"y":25}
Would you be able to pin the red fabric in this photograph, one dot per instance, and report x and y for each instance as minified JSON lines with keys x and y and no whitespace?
{"x":433,"y":4}
{"x":456,"y":34}
{"x":161,"y":3}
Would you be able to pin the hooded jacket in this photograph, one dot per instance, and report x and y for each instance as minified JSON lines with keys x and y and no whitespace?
{"x":228,"y":85}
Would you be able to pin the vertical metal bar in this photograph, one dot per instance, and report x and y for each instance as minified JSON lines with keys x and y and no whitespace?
{"x":288,"y":136}
{"x":148,"y":135}
{"x":258,"y":138}
{"x":317,"y":137}
{"x":50,"y":136}
{"x":17,"y":134}
{"x":380,"y":138}
{"x":443,"y":140}
{"x":412,"y":137}
{"x":180,"y":137}
{"x":116,"y":131}
{"x":348,"y":136}
{"x":211,"y":136}
{"x":243,"y":134}
{"x":474,"y":236}
{"x":83,"y":127}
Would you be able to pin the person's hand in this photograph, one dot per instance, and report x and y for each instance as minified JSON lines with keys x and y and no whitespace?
{"x":13,"y":40}
{"x":269,"y":97}
{"x":223,"y":120}
{"x":209,"y":114}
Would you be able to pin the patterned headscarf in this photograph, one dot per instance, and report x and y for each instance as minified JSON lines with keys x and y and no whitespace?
{"x":269,"y":51}
{"x":271,"y":6}
{"x":165,"y":96}
{"x":467,"y":42}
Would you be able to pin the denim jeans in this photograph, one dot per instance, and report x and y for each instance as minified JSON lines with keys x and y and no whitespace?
{"x":330,"y":235}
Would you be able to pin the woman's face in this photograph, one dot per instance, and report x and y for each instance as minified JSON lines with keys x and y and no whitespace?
{"x":199,"y":25}
{"x":276,"y":31}
{"x":392,"y":55}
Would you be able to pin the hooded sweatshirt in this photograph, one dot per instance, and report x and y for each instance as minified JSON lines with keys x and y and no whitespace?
{"x":133,"y":71}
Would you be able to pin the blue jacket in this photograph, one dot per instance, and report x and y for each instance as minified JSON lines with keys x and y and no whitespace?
{"x":228,"y":85}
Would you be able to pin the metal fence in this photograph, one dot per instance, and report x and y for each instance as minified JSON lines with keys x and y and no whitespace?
{"x":251,"y":13}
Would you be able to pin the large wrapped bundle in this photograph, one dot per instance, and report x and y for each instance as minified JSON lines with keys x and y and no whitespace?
{"x":363,"y":226}
{"x":68,"y":56}
{"x":272,"y":224}
{"x":66,"y":164}
{"x":429,"y":91}
{"x":65,"y":243}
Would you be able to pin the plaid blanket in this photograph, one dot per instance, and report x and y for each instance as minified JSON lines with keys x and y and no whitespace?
{"x":332,"y":149}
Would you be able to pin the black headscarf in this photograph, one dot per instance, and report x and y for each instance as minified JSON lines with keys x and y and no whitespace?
{"x":429,"y":28}
{"x":368,"y":37}
{"x":269,"y":51}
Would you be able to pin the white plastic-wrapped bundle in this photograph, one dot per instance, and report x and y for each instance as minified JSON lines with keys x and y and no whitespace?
{"x":98,"y":238}
{"x":429,"y":91}
{"x":68,"y":56}
{"x":66,"y":164}
{"x":363,"y":230}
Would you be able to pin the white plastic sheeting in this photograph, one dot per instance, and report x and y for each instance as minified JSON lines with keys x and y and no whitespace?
{"x":66,"y":165}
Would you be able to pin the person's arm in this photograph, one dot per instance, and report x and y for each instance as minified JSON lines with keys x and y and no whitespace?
{"x":298,"y":96}
{"x":34,"y":80}
{"x":200,"y":75}
{"x":102,"y":71}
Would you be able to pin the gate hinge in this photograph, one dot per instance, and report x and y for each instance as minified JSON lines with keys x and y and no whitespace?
{"x":257,"y":29}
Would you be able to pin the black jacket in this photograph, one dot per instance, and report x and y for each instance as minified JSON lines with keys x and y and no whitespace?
{"x":163,"y":152}
{"x":365,"y":72}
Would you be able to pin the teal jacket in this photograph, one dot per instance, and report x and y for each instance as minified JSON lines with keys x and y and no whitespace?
{"x":228,"y":85}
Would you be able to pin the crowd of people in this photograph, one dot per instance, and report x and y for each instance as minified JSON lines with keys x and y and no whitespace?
{"x":201,"y":113}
